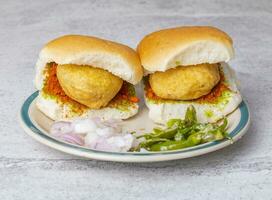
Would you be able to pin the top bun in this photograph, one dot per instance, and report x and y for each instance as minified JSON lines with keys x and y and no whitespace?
{"x":169,"y":48}
{"x":116,"y":58}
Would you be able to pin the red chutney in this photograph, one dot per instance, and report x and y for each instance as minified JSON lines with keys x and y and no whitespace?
{"x":212,"y":97}
{"x":124,"y":95}
{"x":150,"y":93}
{"x":216,"y":92}
{"x":52,"y":87}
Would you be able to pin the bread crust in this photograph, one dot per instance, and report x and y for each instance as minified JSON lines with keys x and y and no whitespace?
{"x":182,"y":46}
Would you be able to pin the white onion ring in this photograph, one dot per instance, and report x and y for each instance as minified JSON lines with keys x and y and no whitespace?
{"x":72,"y":138}
{"x":61,"y":127}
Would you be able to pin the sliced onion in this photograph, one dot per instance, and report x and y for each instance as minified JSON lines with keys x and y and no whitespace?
{"x":83,"y":126}
{"x":61,"y":127}
{"x":103,"y":145}
{"x":72,"y":138}
{"x":115,"y":123}
{"x":94,"y":133}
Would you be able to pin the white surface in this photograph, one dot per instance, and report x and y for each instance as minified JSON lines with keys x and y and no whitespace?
{"x":29,"y":170}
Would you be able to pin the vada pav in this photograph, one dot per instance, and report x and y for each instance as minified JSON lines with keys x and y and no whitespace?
{"x":187,"y":66}
{"x":82,"y":76}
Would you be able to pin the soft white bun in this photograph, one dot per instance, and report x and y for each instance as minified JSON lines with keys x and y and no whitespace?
{"x":162,"y":112}
{"x":169,"y":48}
{"x":62,"y":112}
{"x":116,"y":58}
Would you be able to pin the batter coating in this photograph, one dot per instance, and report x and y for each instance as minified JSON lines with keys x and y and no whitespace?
{"x":185,"y":82}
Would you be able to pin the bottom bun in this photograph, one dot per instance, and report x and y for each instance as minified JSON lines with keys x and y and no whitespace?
{"x":160,"y":111}
{"x":62,"y":112}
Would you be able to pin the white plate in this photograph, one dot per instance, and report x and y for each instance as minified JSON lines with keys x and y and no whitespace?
{"x":36,"y":124}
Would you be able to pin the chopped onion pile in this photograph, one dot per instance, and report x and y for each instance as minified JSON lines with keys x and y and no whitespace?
{"x":95,"y":134}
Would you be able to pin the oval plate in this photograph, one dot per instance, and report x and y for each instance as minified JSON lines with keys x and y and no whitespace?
{"x":36,"y":124}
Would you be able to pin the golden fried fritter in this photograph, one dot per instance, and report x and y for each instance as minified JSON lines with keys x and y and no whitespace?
{"x":185,"y":82}
{"x":87,"y":85}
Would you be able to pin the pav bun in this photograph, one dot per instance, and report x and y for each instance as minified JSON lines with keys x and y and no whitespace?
{"x":187,"y":66}
{"x":182,"y":46}
{"x":83,"y":76}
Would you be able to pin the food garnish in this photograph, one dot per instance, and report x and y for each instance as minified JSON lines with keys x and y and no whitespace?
{"x":94,"y":133}
{"x":107,"y":135}
{"x":179,"y":133}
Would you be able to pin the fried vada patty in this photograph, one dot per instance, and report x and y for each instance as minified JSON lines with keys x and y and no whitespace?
{"x":185,"y":82}
{"x":92,"y":87}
